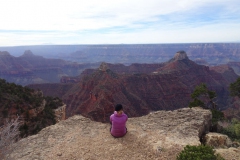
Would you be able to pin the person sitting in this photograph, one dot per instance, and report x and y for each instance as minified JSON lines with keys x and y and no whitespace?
{"x":118,"y":120}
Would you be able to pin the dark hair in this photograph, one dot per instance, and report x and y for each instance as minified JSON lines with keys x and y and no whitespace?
{"x":118,"y":107}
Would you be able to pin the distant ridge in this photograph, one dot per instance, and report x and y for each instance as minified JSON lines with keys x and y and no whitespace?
{"x":30,"y":68}
{"x":213,"y":53}
{"x":4,"y":53}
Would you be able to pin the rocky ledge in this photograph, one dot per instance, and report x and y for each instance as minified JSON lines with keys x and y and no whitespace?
{"x":158,"y":135}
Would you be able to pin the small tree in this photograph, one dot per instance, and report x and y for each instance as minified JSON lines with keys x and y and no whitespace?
{"x":203,"y":97}
{"x":235,"y":88}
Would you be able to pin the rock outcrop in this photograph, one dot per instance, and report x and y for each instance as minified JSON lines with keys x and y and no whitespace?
{"x":222,"y":145}
{"x":180,"y":55}
{"x":60,"y":113}
{"x":235,"y":66}
{"x":217,"y":140}
{"x":230,"y":153}
{"x":158,"y":135}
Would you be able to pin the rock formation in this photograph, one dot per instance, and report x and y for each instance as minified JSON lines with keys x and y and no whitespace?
{"x":60,"y":113}
{"x":31,"y":69}
{"x":141,"y":88}
{"x":235,"y":66}
{"x":31,"y":107}
{"x":233,"y":109}
{"x":223,"y":145}
{"x":158,"y":135}
{"x":226,"y":71}
{"x":217,"y":140}
{"x":180,"y":55}
{"x":213,"y":53}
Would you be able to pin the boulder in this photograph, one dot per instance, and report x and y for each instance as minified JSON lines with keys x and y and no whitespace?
{"x":217,"y":140}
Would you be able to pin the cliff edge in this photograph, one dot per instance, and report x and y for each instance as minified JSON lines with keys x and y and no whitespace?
{"x":158,"y":135}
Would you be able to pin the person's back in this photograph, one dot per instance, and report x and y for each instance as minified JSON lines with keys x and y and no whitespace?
{"x":118,"y":121}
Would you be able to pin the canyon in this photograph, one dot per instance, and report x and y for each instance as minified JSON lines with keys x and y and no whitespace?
{"x":29,"y":68}
{"x":141,"y":88}
{"x":154,"y":95}
{"x":103,"y":75}
{"x":55,"y":63}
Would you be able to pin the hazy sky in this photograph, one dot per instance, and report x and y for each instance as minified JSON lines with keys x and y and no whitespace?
{"x":30,"y":22}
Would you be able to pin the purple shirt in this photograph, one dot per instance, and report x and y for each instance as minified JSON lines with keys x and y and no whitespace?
{"x":118,"y":124}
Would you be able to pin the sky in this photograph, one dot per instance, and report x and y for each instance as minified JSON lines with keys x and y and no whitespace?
{"x":37,"y":22}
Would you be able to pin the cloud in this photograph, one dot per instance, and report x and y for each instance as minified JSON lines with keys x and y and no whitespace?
{"x":55,"y":20}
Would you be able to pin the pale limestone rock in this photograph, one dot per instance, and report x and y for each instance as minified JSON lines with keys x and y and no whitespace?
{"x":229,"y":153}
{"x":217,"y":140}
{"x":60,"y":113}
{"x":159,"y":135}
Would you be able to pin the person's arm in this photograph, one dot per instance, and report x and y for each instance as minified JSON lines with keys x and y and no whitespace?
{"x":110,"y":119}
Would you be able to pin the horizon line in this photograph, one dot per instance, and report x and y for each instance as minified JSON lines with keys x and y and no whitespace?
{"x":120,"y":44}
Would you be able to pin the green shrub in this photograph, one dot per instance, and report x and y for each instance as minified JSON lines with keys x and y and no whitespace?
{"x":233,"y":130}
{"x":201,"y":152}
{"x":195,"y":103}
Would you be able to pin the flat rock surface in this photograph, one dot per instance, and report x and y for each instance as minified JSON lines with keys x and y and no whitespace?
{"x":230,"y":153}
{"x":159,"y":135}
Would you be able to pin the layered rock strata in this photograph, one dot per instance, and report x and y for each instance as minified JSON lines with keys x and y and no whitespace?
{"x":33,"y":69}
{"x":141,"y":88}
